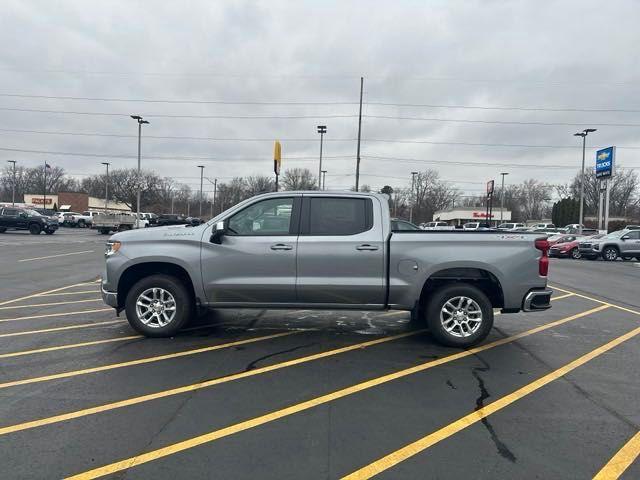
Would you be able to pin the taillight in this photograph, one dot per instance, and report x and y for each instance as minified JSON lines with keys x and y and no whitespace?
{"x":543,"y":263}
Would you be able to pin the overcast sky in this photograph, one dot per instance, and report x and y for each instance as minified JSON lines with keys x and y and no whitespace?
{"x":562,"y":55}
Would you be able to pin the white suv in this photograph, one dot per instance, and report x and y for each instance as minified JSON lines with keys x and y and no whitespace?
{"x":510,"y":226}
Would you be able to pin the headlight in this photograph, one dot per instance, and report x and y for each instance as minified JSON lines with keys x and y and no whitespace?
{"x":111,"y":248}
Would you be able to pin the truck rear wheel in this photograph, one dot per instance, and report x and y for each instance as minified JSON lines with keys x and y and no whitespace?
{"x":158,"y":306}
{"x":459,"y":315}
{"x":34,"y":229}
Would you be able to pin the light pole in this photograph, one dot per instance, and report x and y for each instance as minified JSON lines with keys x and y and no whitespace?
{"x":582,"y":134}
{"x":413,"y":196}
{"x":324,"y":179}
{"x":13,"y":184}
{"x":502,"y":195}
{"x":322,"y":129}
{"x":201,"y":167}
{"x":141,"y":122}
{"x":106,"y":188}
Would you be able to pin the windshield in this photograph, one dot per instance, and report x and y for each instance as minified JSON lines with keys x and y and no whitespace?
{"x":33,"y":213}
{"x":614,"y":235}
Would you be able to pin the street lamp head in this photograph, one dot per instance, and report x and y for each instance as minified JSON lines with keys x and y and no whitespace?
{"x":11,"y":161}
{"x":504,"y":173}
{"x":136,"y":117}
{"x":590,"y":130}
{"x":414,"y":173}
{"x":200,"y":166}
{"x":142,"y":121}
{"x":106,"y":163}
{"x":580,"y":134}
{"x":322,"y":129}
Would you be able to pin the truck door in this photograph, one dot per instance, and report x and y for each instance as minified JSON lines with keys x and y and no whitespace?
{"x":340,"y":252}
{"x":256,"y":261}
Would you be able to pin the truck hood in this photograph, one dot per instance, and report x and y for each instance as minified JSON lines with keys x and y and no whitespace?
{"x":171,"y":232}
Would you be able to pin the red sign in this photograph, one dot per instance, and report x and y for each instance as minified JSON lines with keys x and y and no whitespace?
{"x":41,"y":201}
{"x":490,"y":185}
{"x":481,"y":215}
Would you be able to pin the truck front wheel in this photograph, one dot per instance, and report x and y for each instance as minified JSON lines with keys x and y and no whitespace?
{"x":158,"y":306}
{"x":459,"y":315}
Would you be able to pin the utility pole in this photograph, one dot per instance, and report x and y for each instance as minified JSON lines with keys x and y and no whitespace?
{"x":324,"y":179}
{"x":215,"y":191}
{"x":413,"y":195}
{"x":172,"y":197}
{"x":502,"y":196}
{"x":359,"y":136}
{"x":201,"y":167}
{"x":44,"y":199}
{"x":13,"y":185}
{"x":582,"y":134}
{"x":322,"y":129}
{"x":106,"y":188}
{"x":140,"y":121}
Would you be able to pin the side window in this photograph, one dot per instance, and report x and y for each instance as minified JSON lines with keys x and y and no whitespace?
{"x":10,"y":211}
{"x":269,"y":217}
{"x":339,"y":216}
{"x":634,"y":235}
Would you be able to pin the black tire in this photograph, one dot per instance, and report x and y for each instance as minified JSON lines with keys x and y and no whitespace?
{"x":104,"y":231}
{"x":81,"y":224}
{"x":184,"y":305}
{"x":440,"y":297}
{"x":49,"y":232}
{"x":575,"y":253}
{"x":35,"y":229}
{"x":610,"y":254}
{"x":3,"y":229}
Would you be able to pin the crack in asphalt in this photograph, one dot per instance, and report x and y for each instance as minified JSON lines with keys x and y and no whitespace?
{"x":502,"y":447}
{"x":253,"y":364}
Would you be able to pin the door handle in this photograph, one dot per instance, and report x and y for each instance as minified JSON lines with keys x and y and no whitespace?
{"x":281,"y":246}
{"x":366,"y":246}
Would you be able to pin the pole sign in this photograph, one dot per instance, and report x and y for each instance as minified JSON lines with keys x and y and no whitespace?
{"x":490,"y":185}
{"x":604,"y":162}
{"x":277,"y":157}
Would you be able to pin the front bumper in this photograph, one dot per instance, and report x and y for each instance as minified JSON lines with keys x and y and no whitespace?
{"x":537,"y":300}
{"x":110,"y":298}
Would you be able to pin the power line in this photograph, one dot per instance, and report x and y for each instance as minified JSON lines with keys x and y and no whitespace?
{"x":474,"y":144}
{"x":227,"y":117}
{"x":168,"y":137}
{"x":502,"y":122}
{"x":152,"y":157}
{"x":317,"y":103}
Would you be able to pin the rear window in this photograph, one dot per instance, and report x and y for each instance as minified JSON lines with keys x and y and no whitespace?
{"x":339,"y":216}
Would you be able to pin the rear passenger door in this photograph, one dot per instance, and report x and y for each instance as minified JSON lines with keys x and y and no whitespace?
{"x":340,"y":258}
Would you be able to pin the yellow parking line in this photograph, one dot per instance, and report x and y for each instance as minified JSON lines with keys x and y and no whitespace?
{"x":560,"y":297}
{"x":53,"y":256}
{"x":59,"y":329}
{"x":621,"y":460}
{"x":50,"y":304}
{"x":47,"y":315}
{"x":67,"y":293}
{"x":68,"y":346}
{"x":7,"y":302}
{"x":142,"y":361}
{"x":619,"y":307}
{"x":200,"y":385}
{"x":422,"y":444}
{"x":314,"y":402}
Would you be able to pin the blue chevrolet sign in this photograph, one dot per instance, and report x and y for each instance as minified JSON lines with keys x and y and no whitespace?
{"x":604,"y":162}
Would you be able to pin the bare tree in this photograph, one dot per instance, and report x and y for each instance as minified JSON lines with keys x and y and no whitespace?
{"x":623,"y":196}
{"x":299,"y":179}
{"x":255,"y":185}
{"x":430,"y":195}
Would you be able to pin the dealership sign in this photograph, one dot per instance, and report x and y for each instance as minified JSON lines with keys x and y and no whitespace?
{"x":481,"y":215}
{"x":41,"y":201}
{"x":604,"y":162}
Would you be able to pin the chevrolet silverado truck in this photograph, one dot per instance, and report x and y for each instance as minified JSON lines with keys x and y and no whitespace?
{"x":324,"y":250}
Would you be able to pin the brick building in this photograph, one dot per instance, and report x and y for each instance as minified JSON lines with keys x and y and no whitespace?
{"x":72,"y":202}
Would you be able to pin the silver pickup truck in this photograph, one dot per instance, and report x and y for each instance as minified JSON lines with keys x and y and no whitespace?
{"x":324,"y":250}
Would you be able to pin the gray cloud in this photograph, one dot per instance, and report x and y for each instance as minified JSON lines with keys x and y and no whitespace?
{"x":560,"y":54}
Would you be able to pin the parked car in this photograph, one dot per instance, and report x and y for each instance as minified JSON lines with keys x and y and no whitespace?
{"x":12,"y":218}
{"x":566,"y":249}
{"x":324,"y":250}
{"x":512,"y":226}
{"x":632,"y":227}
{"x":67,"y":219}
{"x":543,"y":226}
{"x":555,"y":239}
{"x":623,"y":243}
{"x":152,"y":218}
{"x":436,"y":226}
{"x":171,"y":219}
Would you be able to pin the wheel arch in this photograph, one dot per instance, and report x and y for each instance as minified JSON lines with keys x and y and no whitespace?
{"x":480,"y":278}
{"x":137,"y":271}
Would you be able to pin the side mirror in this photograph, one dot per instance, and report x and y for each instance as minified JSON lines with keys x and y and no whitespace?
{"x":626,"y":237}
{"x":218,"y":233}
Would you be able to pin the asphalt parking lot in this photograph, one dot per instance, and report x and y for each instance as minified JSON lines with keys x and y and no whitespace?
{"x":302,"y":394}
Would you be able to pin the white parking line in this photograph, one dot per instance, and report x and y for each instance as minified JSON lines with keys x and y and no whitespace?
{"x":50,"y":304}
{"x":67,"y":293}
{"x":13,"y":300}
{"x":53,"y":256}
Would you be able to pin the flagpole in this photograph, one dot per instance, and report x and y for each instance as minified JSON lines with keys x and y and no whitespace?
{"x":44,"y":200}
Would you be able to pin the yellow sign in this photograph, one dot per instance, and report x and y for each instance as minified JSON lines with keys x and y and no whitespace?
{"x":277,"y":157}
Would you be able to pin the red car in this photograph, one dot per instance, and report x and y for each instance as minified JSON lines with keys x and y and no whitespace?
{"x":566,"y":249}
{"x":564,"y":238}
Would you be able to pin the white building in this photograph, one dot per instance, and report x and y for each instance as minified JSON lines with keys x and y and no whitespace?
{"x":462,"y":215}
